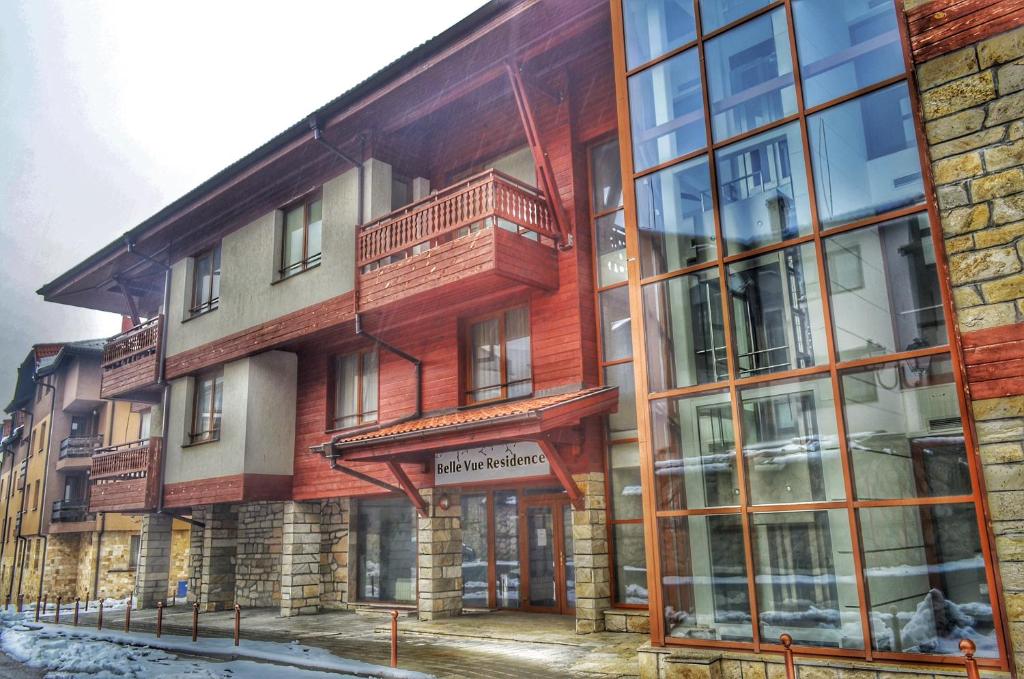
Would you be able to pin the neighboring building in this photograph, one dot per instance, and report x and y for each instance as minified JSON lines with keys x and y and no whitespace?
{"x":52,"y":542}
{"x":422,"y":348}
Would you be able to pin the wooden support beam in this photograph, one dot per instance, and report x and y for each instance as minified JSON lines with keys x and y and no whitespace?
{"x":133,"y":310}
{"x":545,"y":173}
{"x":364,"y":477}
{"x":408,"y":488}
{"x":561,"y":472}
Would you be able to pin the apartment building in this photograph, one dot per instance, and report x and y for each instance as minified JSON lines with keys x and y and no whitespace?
{"x":695,"y":318}
{"x":52,"y":542}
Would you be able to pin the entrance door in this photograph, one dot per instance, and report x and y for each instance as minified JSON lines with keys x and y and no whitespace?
{"x":547,"y":568}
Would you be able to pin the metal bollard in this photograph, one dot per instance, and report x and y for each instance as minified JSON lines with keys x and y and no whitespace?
{"x":787,"y":643}
{"x":128,"y":615}
{"x":86,"y":601}
{"x":21,"y":602}
{"x":37,"y":609}
{"x":159,"y":618}
{"x":56,"y":616}
{"x":7,"y":602}
{"x":174,"y":598}
{"x":99,"y":618}
{"x":394,"y":638}
{"x":968,"y":648}
{"x":195,"y":621}
{"x":77,"y":601}
{"x":238,"y":622}
{"x":46,"y":600}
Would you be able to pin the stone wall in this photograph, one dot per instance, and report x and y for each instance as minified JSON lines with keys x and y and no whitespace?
{"x":180,"y":539}
{"x":258,"y":569}
{"x":62,"y":556}
{"x":85,"y":583}
{"x":334,"y":546}
{"x":195,"y":554}
{"x":973,"y":104}
{"x":300,"y":559}
{"x":439,"y":564}
{"x":590,"y":555}
{"x":217,"y":585}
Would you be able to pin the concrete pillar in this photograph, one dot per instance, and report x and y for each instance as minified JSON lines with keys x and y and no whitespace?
{"x":300,"y":559}
{"x":590,"y":554}
{"x":217,"y":589}
{"x":195,"y":554}
{"x":154,"y":567}
{"x":439,"y":541}
{"x":376,"y":189}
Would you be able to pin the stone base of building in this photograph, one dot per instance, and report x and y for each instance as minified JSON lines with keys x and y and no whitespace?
{"x":627,"y":620}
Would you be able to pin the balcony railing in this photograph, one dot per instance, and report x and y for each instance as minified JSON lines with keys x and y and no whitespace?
{"x":79,"y":446}
{"x":128,"y":460}
{"x":141,"y":341}
{"x":70,"y":510}
{"x":125,"y":478}
{"x":489,"y":195}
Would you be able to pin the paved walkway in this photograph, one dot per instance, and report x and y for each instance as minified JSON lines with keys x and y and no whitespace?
{"x":474,"y":646}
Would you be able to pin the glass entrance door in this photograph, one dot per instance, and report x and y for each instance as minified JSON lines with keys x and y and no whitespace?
{"x":549,"y":575}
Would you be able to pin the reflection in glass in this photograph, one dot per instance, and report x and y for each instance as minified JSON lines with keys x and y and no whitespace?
{"x":542,"y":588}
{"x":805,"y":580}
{"x":694,"y":452}
{"x":750,"y":75}
{"x":606,"y":176}
{"x":778,"y":322}
{"x":624,"y":469}
{"x":474,"y":551}
{"x":611,"y":248}
{"x":653,"y":27}
{"x":865,"y":158}
{"x":685,"y":331}
{"x":762,"y":190}
{"x":666,"y":111}
{"x":904,"y":430}
{"x":506,"y":549}
{"x":675,"y":218}
{"x":790,"y":442}
{"x":714,"y":13}
{"x":570,"y":557}
{"x":622,"y":424}
{"x":845,"y":46}
{"x":616,"y":341}
{"x":386,"y":550}
{"x":704,"y":578}
{"x":630,"y":565}
{"x":884,"y":288}
{"x":925,"y":576}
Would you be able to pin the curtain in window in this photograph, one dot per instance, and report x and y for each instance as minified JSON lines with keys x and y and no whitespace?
{"x":315,"y":229}
{"x":293,"y":236}
{"x":486,"y":360}
{"x":346,"y":413}
{"x":517,"y":345}
{"x":369,"y":413}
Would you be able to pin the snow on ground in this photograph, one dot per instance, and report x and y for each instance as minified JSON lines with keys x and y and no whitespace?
{"x":72,"y":652}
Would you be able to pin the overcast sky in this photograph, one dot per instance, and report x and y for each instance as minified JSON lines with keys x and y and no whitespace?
{"x":110,"y":109}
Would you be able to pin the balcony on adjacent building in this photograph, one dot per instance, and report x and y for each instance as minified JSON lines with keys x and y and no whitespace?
{"x":70,"y":511}
{"x":488,"y":233}
{"x":76,"y":452}
{"x":125,"y":478}
{"x":131,"y":364}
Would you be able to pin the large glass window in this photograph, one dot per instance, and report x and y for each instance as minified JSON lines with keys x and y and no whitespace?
{"x":655,"y":27}
{"x":506,"y":549}
{"x":717,"y":13}
{"x":207,"y":406}
{"x":616,"y":337}
{"x":205,"y":281}
{"x":475,"y":557}
{"x":355,"y":389}
{"x":750,"y":75}
{"x":301,"y":243}
{"x":865,"y":158}
{"x":667,"y":111}
{"x":675,"y":217}
{"x":622,"y":424}
{"x":498,"y":351}
{"x":630,"y":564}
{"x":386,"y":550}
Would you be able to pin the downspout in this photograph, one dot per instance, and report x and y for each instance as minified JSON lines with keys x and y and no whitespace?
{"x":318,"y":135}
{"x":21,"y":524}
{"x":417,"y":364}
{"x":7,"y":512}
{"x":46,"y":475}
{"x":99,"y":546}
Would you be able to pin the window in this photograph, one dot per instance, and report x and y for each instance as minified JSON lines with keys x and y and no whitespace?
{"x":35,"y":496}
{"x":133,"y":552}
{"x":145,"y":421}
{"x":205,"y":281}
{"x":655,"y":27}
{"x":355,"y":389}
{"x":666,"y":111}
{"x":499,"y":357}
{"x":207,"y":403}
{"x":385,"y":550}
{"x":301,"y":244}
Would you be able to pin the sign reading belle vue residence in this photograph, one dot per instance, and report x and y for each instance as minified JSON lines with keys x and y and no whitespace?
{"x":500,"y":461}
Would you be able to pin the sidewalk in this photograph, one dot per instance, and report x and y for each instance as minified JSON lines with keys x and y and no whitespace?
{"x":476,"y":645}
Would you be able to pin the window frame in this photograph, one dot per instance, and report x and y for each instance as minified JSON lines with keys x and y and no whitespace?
{"x":468,"y":388}
{"x":196,"y":307}
{"x":196,"y":437}
{"x":307,"y":261}
{"x":332,"y":390}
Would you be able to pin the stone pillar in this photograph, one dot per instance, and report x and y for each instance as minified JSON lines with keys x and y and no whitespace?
{"x":195,"y":554}
{"x":154,"y":560}
{"x":217,"y":589}
{"x":334,"y":545}
{"x":590,"y":554}
{"x":439,"y":570}
{"x":300,"y":559}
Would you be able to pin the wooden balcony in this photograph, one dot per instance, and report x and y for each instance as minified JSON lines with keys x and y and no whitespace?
{"x":76,"y":452}
{"x":131,"y":368}
{"x":488,"y":233}
{"x":126,"y":478}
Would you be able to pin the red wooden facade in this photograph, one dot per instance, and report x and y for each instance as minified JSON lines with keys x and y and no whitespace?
{"x":942,"y":26}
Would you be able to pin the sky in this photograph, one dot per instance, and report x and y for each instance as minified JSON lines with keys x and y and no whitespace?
{"x":111,"y":109}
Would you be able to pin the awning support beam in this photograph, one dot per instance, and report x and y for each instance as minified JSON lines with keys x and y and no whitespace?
{"x":133,"y":311}
{"x":363,"y":477}
{"x":408,"y":488}
{"x":561,"y":472}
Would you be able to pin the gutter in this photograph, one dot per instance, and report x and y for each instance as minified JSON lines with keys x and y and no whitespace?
{"x":417,"y":364}
{"x":21,"y":524}
{"x":46,"y":476}
{"x":318,"y":135}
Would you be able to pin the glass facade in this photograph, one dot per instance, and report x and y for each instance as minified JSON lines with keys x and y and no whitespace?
{"x":802,"y":428}
{"x":386,"y":550}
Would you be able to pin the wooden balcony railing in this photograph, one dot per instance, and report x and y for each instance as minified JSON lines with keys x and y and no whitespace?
{"x":489,"y":195}
{"x":128,"y":460}
{"x":142,"y":340}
